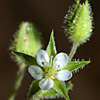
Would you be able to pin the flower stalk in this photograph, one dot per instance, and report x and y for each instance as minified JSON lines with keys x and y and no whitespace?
{"x":18,"y":81}
{"x":73,"y":51}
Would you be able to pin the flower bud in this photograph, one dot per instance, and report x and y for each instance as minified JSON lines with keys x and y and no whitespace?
{"x":26,"y":40}
{"x":79,"y":22}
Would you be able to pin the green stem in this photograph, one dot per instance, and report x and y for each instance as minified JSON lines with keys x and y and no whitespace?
{"x":18,"y":82}
{"x":73,"y":51}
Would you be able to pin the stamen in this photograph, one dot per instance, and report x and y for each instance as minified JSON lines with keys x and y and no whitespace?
{"x":56,"y":74}
{"x":51,"y":56}
{"x":53,"y":77}
{"x":27,"y":39}
{"x":58,"y":66}
{"x":47,"y":72}
{"x":42,"y":63}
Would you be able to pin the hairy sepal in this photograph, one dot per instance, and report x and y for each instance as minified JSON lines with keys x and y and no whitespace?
{"x":49,"y":94}
{"x":51,"y":48}
{"x":75,"y":65}
{"x":34,"y":88}
{"x":61,"y":89}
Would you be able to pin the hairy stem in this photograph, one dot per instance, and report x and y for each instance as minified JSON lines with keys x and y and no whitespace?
{"x":18,"y":81}
{"x":73,"y":51}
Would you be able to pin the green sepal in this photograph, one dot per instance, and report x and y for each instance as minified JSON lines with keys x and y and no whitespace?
{"x":61,"y":89}
{"x":29,"y":60}
{"x":72,"y":13}
{"x":51,"y":48}
{"x":74,"y":65}
{"x":49,"y":94}
{"x":52,"y":93}
{"x":34,"y":88}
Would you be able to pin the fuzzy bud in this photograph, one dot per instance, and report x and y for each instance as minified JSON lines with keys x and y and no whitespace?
{"x":79,"y":22}
{"x":26,"y":40}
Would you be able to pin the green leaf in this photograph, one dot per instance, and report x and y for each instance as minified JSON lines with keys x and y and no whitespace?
{"x":52,"y":92}
{"x":34,"y":88}
{"x":74,"y":65}
{"x":29,"y":60}
{"x":60,"y":88}
{"x":51,"y":48}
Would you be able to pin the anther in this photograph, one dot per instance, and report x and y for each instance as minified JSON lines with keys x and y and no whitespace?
{"x":58,"y":66}
{"x":42,"y":63}
{"x":27,"y":39}
{"x":56,"y":74}
{"x":51,"y":56}
{"x":47,"y":72}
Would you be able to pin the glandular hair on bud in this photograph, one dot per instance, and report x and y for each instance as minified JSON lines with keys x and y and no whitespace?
{"x":78,"y":22}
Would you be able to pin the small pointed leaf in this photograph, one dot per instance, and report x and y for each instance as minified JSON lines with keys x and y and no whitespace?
{"x":51,"y":48}
{"x":29,"y":60}
{"x":71,"y":66}
{"x":34,"y":88}
{"x":60,"y":88}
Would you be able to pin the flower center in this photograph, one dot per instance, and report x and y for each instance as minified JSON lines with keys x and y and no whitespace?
{"x":50,"y":71}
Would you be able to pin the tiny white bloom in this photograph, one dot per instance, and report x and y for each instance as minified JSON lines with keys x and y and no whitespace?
{"x":51,"y":69}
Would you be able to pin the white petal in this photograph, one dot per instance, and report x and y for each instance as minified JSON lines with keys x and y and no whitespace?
{"x":60,"y":60}
{"x":63,"y":75}
{"x":36,"y":72}
{"x":42,"y":58}
{"x":46,"y":83}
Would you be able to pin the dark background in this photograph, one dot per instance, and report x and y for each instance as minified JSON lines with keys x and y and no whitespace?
{"x":47,"y":15}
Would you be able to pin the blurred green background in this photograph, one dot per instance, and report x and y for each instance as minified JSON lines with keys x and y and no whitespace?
{"x":47,"y":15}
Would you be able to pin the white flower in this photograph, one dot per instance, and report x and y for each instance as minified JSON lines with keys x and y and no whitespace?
{"x":50,"y":69}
